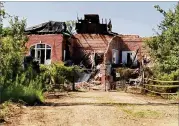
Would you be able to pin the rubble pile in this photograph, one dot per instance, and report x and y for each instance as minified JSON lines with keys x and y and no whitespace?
{"x":93,"y":82}
{"x":82,"y":85}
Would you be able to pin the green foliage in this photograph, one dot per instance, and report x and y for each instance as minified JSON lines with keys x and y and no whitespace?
{"x":17,"y":84}
{"x":59,"y":76}
{"x":29,"y":93}
{"x":165,"y":46}
{"x":24,"y":87}
{"x":12,"y":49}
{"x":57,"y":73}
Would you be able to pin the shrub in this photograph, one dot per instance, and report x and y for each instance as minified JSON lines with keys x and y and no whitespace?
{"x":57,"y":73}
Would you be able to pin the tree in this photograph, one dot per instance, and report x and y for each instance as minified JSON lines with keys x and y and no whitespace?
{"x":12,"y":48}
{"x":17,"y":83}
{"x":165,"y":45}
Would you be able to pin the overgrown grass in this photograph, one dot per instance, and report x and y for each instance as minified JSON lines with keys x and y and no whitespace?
{"x":29,"y":85}
{"x":23,"y":88}
{"x":29,"y":94}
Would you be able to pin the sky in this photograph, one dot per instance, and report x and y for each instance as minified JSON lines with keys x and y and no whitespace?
{"x":139,"y":18}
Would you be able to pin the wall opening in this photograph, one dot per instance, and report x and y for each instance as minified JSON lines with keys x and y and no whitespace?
{"x":128,"y":58}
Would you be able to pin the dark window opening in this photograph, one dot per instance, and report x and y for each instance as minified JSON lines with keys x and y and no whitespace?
{"x":40,"y":45}
{"x":129,"y":59}
{"x":32,"y":53}
{"x":99,"y":57}
{"x":47,"y":46}
{"x":48,"y":54}
{"x":42,"y":58}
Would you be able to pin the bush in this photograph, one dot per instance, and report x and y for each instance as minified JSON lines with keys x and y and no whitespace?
{"x":57,"y":73}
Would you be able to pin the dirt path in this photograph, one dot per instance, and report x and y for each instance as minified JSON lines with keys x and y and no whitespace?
{"x":99,"y":109}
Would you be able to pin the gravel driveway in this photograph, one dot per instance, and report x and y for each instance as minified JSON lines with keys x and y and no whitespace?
{"x":99,"y":109}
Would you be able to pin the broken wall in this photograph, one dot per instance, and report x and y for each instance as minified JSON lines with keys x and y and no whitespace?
{"x":84,"y":44}
{"x":132,"y":43}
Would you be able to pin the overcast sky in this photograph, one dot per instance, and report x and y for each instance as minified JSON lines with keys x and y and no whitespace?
{"x":127,"y":17}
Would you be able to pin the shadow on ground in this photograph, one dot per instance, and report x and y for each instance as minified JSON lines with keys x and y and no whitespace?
{"x":106,"y":104}
{"x":65,"y":95}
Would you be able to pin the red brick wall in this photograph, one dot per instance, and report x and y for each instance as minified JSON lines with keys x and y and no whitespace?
{"x":132,"y":43}
{"x":54,"y":40}
{"x":86,"y":43}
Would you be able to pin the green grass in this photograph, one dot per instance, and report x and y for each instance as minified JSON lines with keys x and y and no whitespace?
{"x":28,"y":94}
{"x":142,"y":113}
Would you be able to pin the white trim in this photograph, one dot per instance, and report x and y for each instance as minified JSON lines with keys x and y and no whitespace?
{"x":45,"y":48}
{"x":40,"y":43}
{"x":115,"y":51}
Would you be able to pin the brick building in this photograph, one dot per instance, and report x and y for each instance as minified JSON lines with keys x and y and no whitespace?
{"x":93,"y":44}
{"x":45,"y":48}
{"x":47,"y":43}
{"x":95,"y":37}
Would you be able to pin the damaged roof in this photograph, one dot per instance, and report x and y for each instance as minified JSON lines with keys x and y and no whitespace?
{"x":96,"y":42}
{"x":134,"y":38}
{"x":47,"y":27}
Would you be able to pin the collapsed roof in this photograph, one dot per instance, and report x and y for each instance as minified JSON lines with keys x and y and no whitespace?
{"x":47,"y":27}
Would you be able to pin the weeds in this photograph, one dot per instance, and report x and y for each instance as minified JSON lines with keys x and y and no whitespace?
{"x":29,"y":93}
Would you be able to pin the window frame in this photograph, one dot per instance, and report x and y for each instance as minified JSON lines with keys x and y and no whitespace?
{"x":36,"y":49}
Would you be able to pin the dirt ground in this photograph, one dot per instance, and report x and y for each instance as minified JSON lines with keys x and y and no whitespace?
{"x":99,"y":109}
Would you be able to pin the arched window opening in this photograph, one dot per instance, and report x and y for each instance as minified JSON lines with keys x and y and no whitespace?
{"x":41,"y":53}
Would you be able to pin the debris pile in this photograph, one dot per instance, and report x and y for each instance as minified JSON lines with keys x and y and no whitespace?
{"x":90,"y":80}
{"x":82,"y":85}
